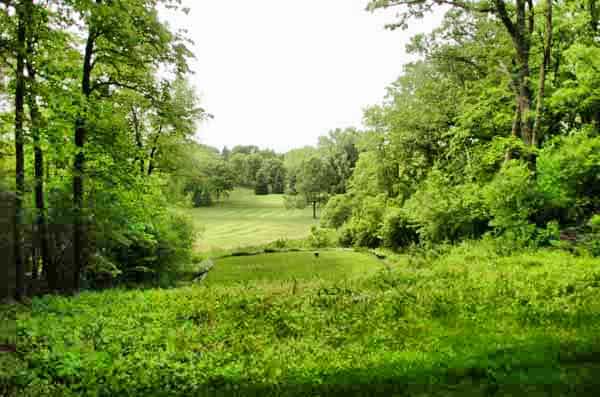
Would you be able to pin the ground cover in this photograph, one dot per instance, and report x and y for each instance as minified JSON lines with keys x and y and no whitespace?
{"x":468,"y":322}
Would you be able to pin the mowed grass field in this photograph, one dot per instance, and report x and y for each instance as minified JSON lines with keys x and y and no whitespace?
{"x":286,"y":266}
{"x":245,"y":219}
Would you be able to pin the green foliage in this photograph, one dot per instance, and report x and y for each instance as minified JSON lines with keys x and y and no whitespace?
{"x":442,"y":211}
{"x":337,"y":211}
{"x":569,"y":173}
{"x":261,"y":186}
{"x":363,"y":228}
{"x":397,"y":231}
{"x":321,"y":237}
{"x":467,"y":322}
{"x":512,"y":198}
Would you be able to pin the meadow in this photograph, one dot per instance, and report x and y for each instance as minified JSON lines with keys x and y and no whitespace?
{"x":244,"y":219}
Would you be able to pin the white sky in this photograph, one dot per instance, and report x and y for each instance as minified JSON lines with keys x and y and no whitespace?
{"x":280,"y":73}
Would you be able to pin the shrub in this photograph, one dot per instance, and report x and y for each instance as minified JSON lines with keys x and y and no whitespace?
{"x":337,"y":211}
{"x":569,"y":174}
{"x":442,"y":211}
{"x":320,"y":238}
{"x":512,"y":199}
{"x":396,"y":230}
{"x":363,"y":228}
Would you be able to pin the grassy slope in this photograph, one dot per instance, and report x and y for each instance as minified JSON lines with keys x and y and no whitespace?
{"x":329,"y":265}
{"x":468,"y":323}
{"x":249,"y":220}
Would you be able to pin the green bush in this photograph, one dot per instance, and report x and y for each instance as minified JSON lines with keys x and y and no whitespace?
{"x":337,"y":211}
{"x":442,"y":211}
{"x":320,"y":237}
{"x":137,"y":236}
{"x":396,"y":230}
{"x":512,"y":199}
{"x":362,"y":230}
{"x":568,"y":174}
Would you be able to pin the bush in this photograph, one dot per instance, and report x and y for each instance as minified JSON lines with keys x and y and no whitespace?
{"x":442,"y":211}
{"x":337,"y":211}
{"x":320,"y":238}
{"x":396,"y":230}
{"x":512,"y":199}
{"x":362,"y":230}
{"x":569,"y":174}
{"x":136,"y":236}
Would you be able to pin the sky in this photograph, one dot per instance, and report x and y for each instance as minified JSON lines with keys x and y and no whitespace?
{"x":280,"y":73}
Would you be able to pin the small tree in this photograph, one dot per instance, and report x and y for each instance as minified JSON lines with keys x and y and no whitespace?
{"x":314,"y":182}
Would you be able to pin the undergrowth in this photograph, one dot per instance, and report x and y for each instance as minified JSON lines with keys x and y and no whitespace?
{"x":469,"y":321}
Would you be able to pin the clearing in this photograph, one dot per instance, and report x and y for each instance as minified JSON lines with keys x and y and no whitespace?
{"x":245,"y":219}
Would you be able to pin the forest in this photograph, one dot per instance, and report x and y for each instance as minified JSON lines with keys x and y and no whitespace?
{"x":448,"y":246}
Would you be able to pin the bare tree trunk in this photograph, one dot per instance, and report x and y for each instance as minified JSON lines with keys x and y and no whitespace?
{"x":519,"y":32}
{"x":19,"y":153}
{"x":535,"y":135}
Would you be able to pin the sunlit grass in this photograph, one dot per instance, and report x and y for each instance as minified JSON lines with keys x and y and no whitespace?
{"x":245,"y":219}
{"x":328,"y":265}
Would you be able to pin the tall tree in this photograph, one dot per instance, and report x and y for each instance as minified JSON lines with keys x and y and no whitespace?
{"x":535,"y":138}
{"x":519,"y":27}
{"x":124,"y":42}
{"x":21,"y":51}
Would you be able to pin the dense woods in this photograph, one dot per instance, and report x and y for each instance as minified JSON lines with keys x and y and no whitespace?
{"x":495,"y":130}
{"x":95,"y":106}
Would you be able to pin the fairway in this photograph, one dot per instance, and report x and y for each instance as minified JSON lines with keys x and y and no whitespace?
{"x":284,"y":266}
{"x":245,"y":219}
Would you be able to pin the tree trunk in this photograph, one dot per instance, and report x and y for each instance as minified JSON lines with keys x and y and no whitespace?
{"x":315,"y":209}
{"x":40,"y":205}
{"x":535,"y":135}
{"x":79,"y":231}
{"x":19,"y":153}
{"x":138,"y":138}
{"x":519,"y":32}
{"x":522,"y":46}
{"x":153,"y":151}
{"x":595,"y":15}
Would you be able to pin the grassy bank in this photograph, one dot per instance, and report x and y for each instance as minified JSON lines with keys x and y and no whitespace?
{"x":470,"y":322}
{"x":329,"y":265}
{"x":245,"y":219}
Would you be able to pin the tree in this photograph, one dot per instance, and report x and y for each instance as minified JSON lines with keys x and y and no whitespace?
{"x":261,"y":186}
{"x":340,"y":150}
{"x":22,"y":12}
{"x":314,"y":182}
{"x":520,"y":29}
{"x":123,"y":42}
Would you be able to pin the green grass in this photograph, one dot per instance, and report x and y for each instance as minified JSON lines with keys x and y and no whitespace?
{"x":469,"y":322}
{"x":245,"y":219}
{"x":329,"y":265}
